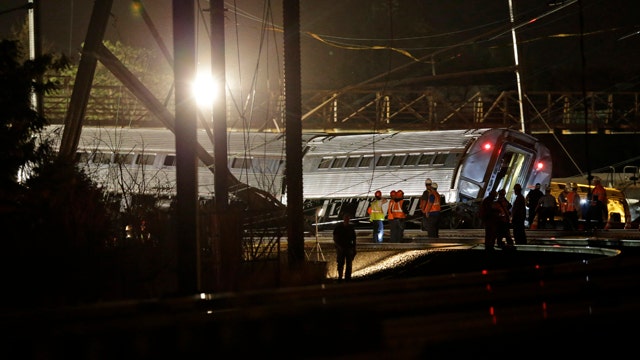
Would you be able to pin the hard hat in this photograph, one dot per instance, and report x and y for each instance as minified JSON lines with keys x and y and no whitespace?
{"x":434,"y":185}
{"x":378,"y":193}
{"x":428,"y":182}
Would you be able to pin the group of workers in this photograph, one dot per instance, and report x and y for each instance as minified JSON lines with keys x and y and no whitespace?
{"x":544,"y":206}
{"x":499,"y":215}
{"x":396,"y":212}
{"x":398,"y":209}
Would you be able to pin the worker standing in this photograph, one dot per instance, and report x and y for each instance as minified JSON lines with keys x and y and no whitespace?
{"x":376,"y":216}
{"x":399,"y":208}
{"x":431,"y":208}
{"x":532,"y":199}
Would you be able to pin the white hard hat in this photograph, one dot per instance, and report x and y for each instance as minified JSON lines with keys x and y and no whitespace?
{"x":434,"y":185}
{"x":428,"y":182}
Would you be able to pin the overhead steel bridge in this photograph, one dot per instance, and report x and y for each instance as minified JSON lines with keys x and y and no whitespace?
{"x":422,"y":109}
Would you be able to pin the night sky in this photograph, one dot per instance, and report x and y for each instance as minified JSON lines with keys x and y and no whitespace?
{"x":347,"y":42}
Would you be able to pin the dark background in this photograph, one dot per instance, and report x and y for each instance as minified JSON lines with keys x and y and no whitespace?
{"x":345,"y":42}
{"x":348,"y":42}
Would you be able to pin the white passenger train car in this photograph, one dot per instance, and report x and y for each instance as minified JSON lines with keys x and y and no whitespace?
{"x":346,"y":170}
{"x":339,"y":171}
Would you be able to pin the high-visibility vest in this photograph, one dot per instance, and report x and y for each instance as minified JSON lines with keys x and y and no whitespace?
{"x":396,"y":209}
{"x":599,"y":191}
{"x":435,"y":206}
{"x":570,"y":205}
{"x":376,"y":210}
{"x":392,"y":204}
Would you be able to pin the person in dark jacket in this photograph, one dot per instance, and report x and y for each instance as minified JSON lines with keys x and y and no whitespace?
{"x":489,"y":217}
{"x":344,"y":239}
{"x":531,"y":200}
{"x":547,"y":206}
{"x":518,"y":216}
{"x":503,"y":207}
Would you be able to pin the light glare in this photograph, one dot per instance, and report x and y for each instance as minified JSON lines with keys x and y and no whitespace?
{"x":204,"y":90}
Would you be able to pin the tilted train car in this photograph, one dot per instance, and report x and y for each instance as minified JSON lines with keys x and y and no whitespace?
{"x":338,"y":170}
{"x":345,"y":170}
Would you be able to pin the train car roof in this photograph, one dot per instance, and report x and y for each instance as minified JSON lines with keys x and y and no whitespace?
{"x":401,"y":141}
{"x":163,"y":140}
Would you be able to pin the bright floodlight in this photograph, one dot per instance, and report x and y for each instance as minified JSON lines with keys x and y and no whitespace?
{"x":204,"y":90}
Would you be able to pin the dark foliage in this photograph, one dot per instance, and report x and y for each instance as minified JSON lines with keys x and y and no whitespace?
{"x":53,"y":219}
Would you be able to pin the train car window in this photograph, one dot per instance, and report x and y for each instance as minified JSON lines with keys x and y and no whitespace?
{"x":339,"y":162}
{"x":125,"y":159}
{"x":440,"y":159}
{"x":325,"y":163}
{"x":145,"y":159}
{"x":83,"y":157}
{"x":398,"y":160}
{"x":241,"y":163}
{"x":366,"y":161}
{"x":169,"y":160}
{"x":412,"y":159}
{"x":352,"y":162}
{"x":102,"y":158}
{"x":425,"y":159}
{"x":384,"y":160}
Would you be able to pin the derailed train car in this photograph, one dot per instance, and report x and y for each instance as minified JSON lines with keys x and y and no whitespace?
{"x":344,"y":171}
{"x":339,"y":171}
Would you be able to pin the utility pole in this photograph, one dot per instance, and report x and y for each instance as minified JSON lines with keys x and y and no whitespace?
{"x":517,"y":64}
{"x":186,"y":143}
{"x":293,"y":113}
